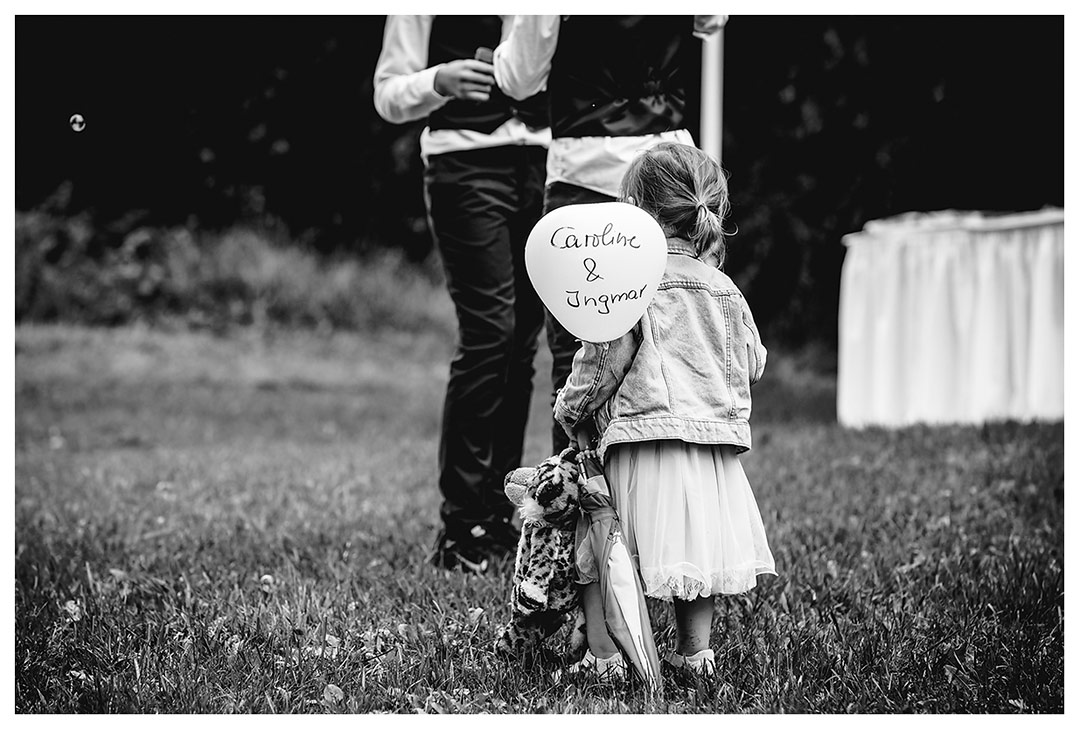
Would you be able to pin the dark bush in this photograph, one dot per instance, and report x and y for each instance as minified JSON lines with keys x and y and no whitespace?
{"x":242,"y":276}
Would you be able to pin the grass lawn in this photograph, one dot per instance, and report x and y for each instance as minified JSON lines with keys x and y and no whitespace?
{"x":238,"y":524}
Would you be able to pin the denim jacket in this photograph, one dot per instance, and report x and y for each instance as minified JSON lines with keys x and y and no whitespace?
{"x":683,"y":372}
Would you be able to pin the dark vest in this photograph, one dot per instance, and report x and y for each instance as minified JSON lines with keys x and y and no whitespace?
{"x":458,"y":36}
{"x":621,"y":75}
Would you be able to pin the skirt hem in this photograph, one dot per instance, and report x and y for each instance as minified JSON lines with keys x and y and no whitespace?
{"x":686,"y":588}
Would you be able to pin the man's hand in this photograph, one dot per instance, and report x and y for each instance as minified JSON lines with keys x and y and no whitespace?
{"x":465,"y":78}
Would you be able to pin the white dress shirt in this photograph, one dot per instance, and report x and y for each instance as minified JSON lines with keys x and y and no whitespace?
{"x":405,"y":91}
{"x":522,"y":65}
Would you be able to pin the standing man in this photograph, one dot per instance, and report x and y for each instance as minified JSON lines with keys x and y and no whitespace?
{"x":484,"y":157}
{"x":617,"y":86}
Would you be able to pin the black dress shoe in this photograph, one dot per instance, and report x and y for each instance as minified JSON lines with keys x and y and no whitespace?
{"x":476,"y":549}
{"x":449,"y":553}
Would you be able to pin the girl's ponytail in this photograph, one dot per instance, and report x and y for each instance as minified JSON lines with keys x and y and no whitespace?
{"x":707,"y":235}
{"x":686,"y":191}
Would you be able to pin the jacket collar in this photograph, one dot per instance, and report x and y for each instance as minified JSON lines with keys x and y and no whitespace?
{"x":681,"y":247}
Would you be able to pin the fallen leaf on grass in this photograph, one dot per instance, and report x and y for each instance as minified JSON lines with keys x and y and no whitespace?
{"x":441,"y":702}
{"x":919,"y":560}
{"x":215,"y":626}
{"x":328,"y":650}
{"x":56,"y":439}
{"x":332,"y":695}
{"x":73,"y":610}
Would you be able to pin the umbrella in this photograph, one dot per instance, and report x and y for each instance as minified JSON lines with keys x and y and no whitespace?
{"x":625,"y":612}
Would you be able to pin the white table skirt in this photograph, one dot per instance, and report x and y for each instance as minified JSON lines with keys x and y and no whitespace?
{"x":953,"y":318}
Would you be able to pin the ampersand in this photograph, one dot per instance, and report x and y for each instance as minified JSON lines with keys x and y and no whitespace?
{"x":590,"y":271}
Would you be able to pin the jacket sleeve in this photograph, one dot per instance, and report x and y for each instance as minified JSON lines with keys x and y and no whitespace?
{"x":523,"y":60}
{"x":755,"y":351}
{"x":404,"y":85}
{"x":597,"y":372}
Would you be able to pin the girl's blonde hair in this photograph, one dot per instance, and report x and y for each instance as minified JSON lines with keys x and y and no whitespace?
{"x":686,"y":191}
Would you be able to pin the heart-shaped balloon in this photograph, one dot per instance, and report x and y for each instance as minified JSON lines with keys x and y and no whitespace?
{"x":596,"y":266}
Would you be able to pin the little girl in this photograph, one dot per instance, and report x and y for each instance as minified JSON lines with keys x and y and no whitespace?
{"x":670,"y":401}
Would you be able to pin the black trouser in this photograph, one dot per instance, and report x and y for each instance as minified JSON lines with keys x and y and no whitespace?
{"x":481,"y":206}
{"x":562,"y":344}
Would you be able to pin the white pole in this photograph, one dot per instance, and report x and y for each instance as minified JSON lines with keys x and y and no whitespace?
{"x":712,"y":94}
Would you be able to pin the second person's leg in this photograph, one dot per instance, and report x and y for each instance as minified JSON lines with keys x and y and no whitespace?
{"x":470,"y":201}
{"x":526,"y":165}
{"x":562,"y":344}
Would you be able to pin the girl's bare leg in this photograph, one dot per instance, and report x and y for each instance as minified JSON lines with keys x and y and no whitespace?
{"x":600,"y":642}
{"x":693,"y":623}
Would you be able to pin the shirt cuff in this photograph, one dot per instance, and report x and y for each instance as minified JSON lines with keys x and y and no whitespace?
{"x":428,"y":77}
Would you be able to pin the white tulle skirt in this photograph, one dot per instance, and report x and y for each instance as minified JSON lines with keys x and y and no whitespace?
{"x":690,"y":517}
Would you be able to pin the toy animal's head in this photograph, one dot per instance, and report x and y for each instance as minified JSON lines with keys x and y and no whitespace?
{"x":547,"y":493}
{"x":545,"y":591}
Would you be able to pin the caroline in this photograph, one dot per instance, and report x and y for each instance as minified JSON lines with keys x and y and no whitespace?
{"x":564,"y":237}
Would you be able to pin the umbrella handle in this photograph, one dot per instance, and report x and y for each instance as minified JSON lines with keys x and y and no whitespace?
{"x":584,"y":435}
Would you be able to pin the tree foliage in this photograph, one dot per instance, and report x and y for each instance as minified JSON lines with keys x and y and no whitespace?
{"x":829,"y":122}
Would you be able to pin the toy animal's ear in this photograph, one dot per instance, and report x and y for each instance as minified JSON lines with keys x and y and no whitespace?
{"x":569,"y":457}
{"x":517,"y":482}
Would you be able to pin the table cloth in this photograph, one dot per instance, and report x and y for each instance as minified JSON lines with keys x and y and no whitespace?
{"x":952,"y":317}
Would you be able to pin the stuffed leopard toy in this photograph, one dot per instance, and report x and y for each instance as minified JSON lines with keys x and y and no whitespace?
{"x":545,"y":594}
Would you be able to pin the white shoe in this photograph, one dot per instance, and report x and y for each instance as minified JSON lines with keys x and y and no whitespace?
{"x":703,"y":663}
{"x":611,"y":668}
